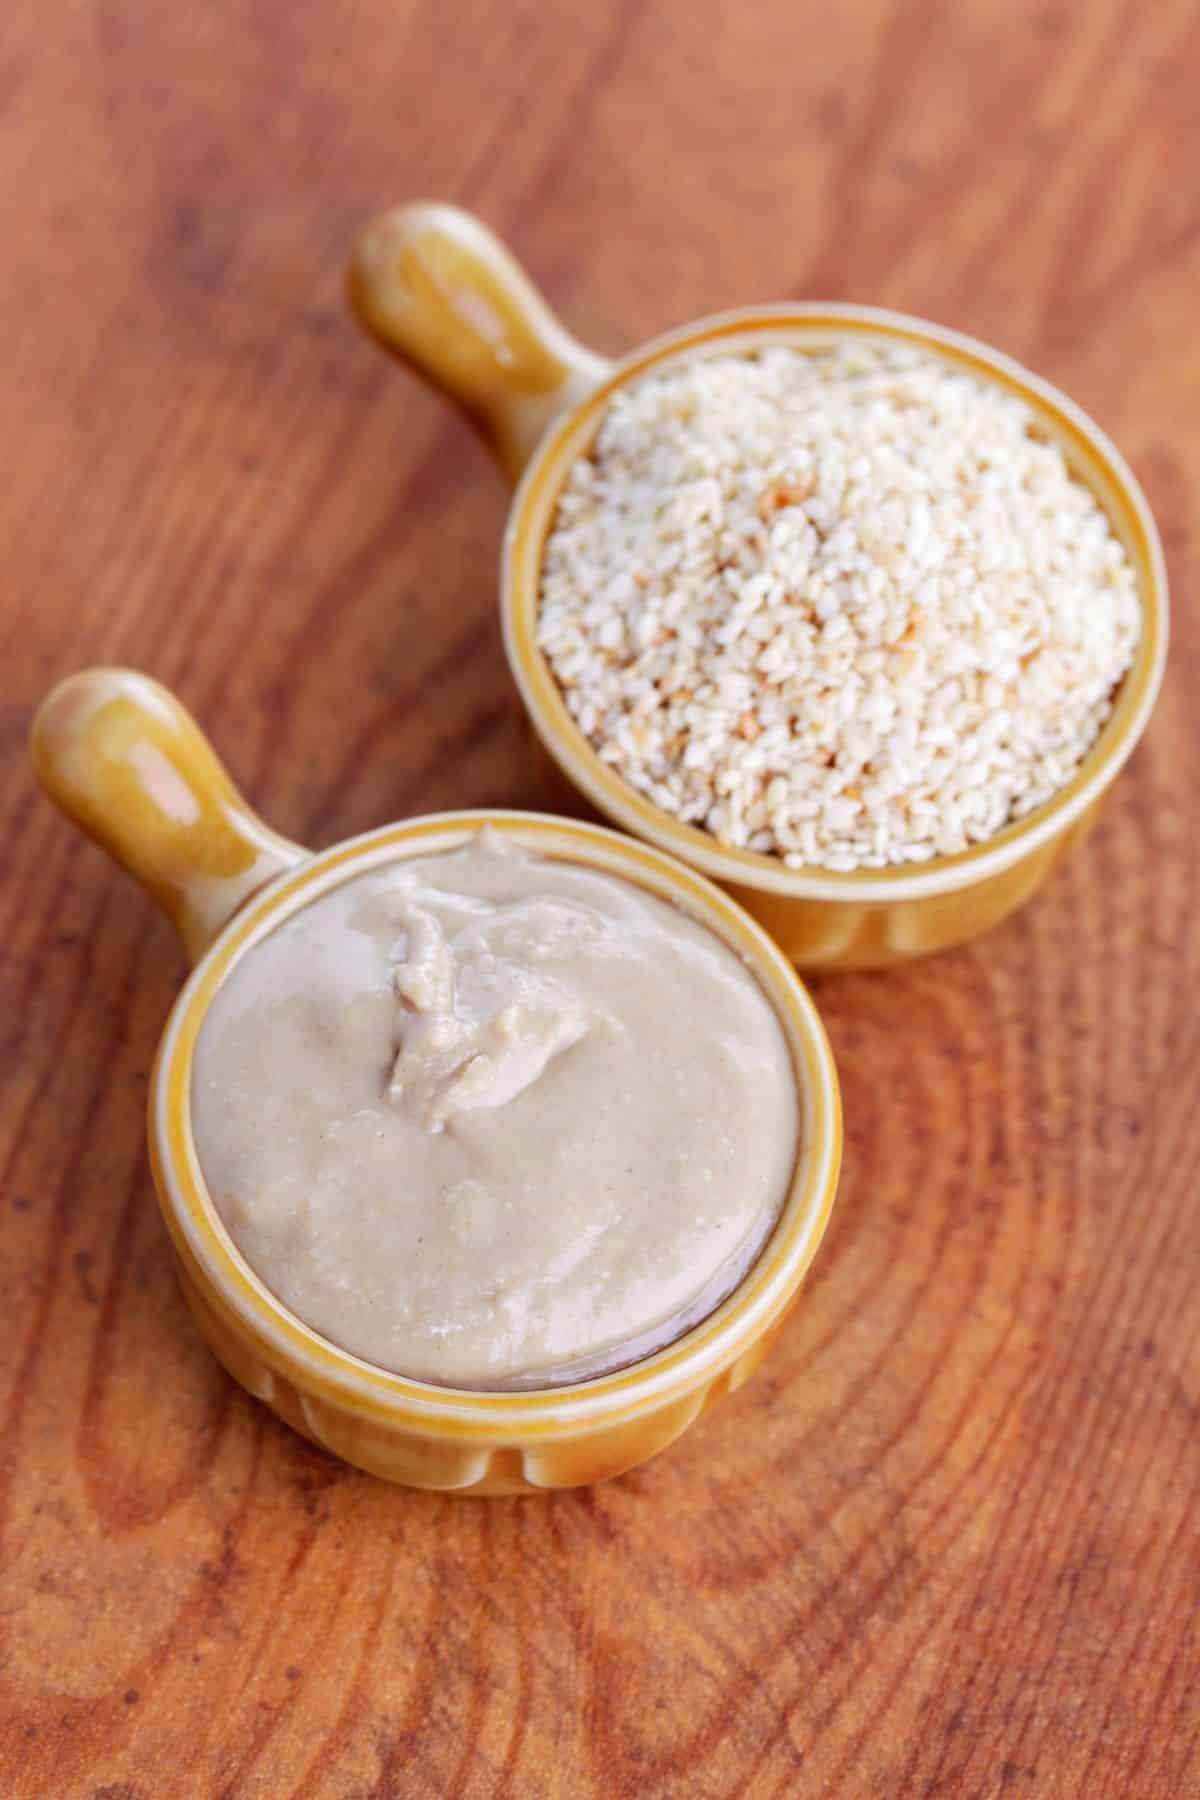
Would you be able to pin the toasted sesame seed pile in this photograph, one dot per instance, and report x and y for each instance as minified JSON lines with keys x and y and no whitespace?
{"x":845,"y":607}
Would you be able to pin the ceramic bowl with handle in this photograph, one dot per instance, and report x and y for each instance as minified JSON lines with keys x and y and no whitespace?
{"x":123,"y":759}
{"x":436,"y":289}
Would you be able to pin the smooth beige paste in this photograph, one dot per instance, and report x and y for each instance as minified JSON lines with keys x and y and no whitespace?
{"x":493,"y":1120}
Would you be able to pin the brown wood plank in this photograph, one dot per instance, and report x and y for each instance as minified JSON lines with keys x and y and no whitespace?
{"x":946,"y":1542}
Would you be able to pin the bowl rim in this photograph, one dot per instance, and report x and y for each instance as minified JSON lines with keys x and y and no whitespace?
{"x":1092,"y":456}
{"x":319,"y":1368}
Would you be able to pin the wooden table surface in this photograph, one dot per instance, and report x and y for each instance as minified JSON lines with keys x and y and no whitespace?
{"x":946,"y":1543}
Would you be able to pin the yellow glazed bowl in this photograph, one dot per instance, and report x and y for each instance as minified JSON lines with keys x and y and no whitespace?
{"x":438,"y":291}
{"x":120,"y":756}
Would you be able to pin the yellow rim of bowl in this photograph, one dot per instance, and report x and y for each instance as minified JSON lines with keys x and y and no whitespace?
{"x":317,"y":1366}
{"x":1092,"y":457}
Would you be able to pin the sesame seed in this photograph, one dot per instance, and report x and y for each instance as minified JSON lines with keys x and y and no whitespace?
{"x":846,"y":607}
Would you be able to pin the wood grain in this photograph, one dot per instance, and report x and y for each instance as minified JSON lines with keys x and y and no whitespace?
{"x":946,"y":1544}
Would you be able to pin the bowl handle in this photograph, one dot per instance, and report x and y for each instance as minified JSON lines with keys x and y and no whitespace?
{"x":435,"y":288}
{"x":122,"y":758}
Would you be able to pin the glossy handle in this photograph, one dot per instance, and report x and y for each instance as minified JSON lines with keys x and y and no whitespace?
{"x":122,"y":758}
{"x":434,"y":287}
